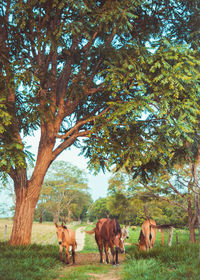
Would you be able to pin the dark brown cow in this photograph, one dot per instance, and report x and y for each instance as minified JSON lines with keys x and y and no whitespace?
{"x":108,"y":235}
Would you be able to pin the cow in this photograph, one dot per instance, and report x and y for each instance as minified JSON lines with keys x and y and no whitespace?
{"x":147,"y":236}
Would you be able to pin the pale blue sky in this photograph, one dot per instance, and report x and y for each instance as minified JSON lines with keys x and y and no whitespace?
{"x":98,"y":184}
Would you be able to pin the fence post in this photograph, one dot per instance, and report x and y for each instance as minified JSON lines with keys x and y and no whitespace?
{"x":162,"y":236}
{"x":176,"y":238}
{"x":170,"y":236}
{"x":5,"y":233}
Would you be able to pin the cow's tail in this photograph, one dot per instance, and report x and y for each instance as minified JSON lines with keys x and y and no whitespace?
{"x":92,"y":231}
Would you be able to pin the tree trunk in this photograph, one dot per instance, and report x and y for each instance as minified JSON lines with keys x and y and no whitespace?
{"x":197,"y":209}
{"x":69,"y":216}
{"x":40,"y":221}
{"x":23,"y":221}
{"x":27,"y":194}
{"x":191,"y":220}
{"x":196,"y":189}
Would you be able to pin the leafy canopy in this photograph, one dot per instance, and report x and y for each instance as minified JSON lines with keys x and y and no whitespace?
{"x":64,"y":64}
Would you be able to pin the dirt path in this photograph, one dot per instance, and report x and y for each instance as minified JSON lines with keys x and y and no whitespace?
{"x":93,"y":259}
{"x":80,"y":238}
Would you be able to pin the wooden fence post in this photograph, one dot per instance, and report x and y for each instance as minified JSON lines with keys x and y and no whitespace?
{"x":5,"y":233}
{"x":162,"y":236}
{"x":170,"y":236}
{"x":176,"y":238}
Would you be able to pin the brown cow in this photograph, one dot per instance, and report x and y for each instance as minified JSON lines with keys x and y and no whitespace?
{"x":147,"y":236}
{"x":66,"y":238}
{"x":108,"y":235}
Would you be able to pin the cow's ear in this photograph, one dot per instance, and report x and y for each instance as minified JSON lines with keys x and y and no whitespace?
{"x":56,"y":225}
{"x":62,"y":225}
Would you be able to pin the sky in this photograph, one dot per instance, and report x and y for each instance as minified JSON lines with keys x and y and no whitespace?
{"x":97,"y":184}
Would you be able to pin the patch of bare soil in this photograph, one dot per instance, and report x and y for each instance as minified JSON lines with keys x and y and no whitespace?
{"x":113,"y":274}
{"x":92,"y":258}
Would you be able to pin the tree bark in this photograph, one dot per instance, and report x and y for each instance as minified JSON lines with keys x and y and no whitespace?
{"x":69,"y":216}
{"x":191,"y":221}
{"x":27,"y":194}
{"x":23,"y":220}
{"x":196,"y":189}
{"x":40,"y":221}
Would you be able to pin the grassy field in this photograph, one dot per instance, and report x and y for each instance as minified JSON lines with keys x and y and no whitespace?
{"x":41,"y":261}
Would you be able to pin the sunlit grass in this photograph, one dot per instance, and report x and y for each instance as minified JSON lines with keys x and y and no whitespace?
{"x":33,"y":262}
{"x":85,"y":272}
{"x":177,"y":262}
{"x":44,"y":233}
{"x":41,"y":261}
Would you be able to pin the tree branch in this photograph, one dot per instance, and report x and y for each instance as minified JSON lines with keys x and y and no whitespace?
{"x":164,"y":198}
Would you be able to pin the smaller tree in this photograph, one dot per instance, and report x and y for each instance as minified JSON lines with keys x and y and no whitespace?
{"x":99,"y":209}
{"x":63,"y":192}
{"x":175,"y":187}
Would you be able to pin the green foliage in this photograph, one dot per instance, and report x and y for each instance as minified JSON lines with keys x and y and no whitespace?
{"x":131,"y":201}
{"x":99,"y":209}
{"x":157,"y":115}
{"x":64,"y":192}
{"x":94,"y":55}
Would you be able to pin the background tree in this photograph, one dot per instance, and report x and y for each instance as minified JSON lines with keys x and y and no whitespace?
{"x":132,"y":202}
{"x":176,"y":187}
{"x":99,"y":209}
{"x":64,"y":194}
{"x":65,"y":63}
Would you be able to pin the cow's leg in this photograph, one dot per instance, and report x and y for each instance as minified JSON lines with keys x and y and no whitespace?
{"x":117,"y":262}
{"x":106,"y":251}
{"x":148,"y":241}
{"x":113,"y":253}
{"x":61,"y":252}
{"x":73,"y":252}
{"x":67,"y":254}
{"x":100,"y":246}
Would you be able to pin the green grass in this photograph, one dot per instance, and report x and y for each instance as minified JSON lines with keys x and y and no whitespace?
{"x":84,"y":272}
{"x":173,"y":263}
{"x":41,"y":261}
{"x":32,"y":262}
{"x":90,"y":243}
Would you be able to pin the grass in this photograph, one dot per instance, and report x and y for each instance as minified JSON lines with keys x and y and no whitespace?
{"x":41,"y":260}
{"x":173,"y":263}
{"x":167,"y":263}
{"x":31,"y":263}
{"x":85,"y":272}
{"x":44,"y":233}
{"x":90,"y":243}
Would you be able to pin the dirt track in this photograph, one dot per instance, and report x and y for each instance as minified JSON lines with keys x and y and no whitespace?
{"x":80,"y":239}
{"x":93,"y":259}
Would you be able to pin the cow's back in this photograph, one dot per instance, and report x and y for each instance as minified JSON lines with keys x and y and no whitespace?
{"x":69,"y":237}
{"x":149,"y":232}
{"x":106,"y":230}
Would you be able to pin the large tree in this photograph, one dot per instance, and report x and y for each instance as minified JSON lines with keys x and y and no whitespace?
{"x":63,"y":65}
